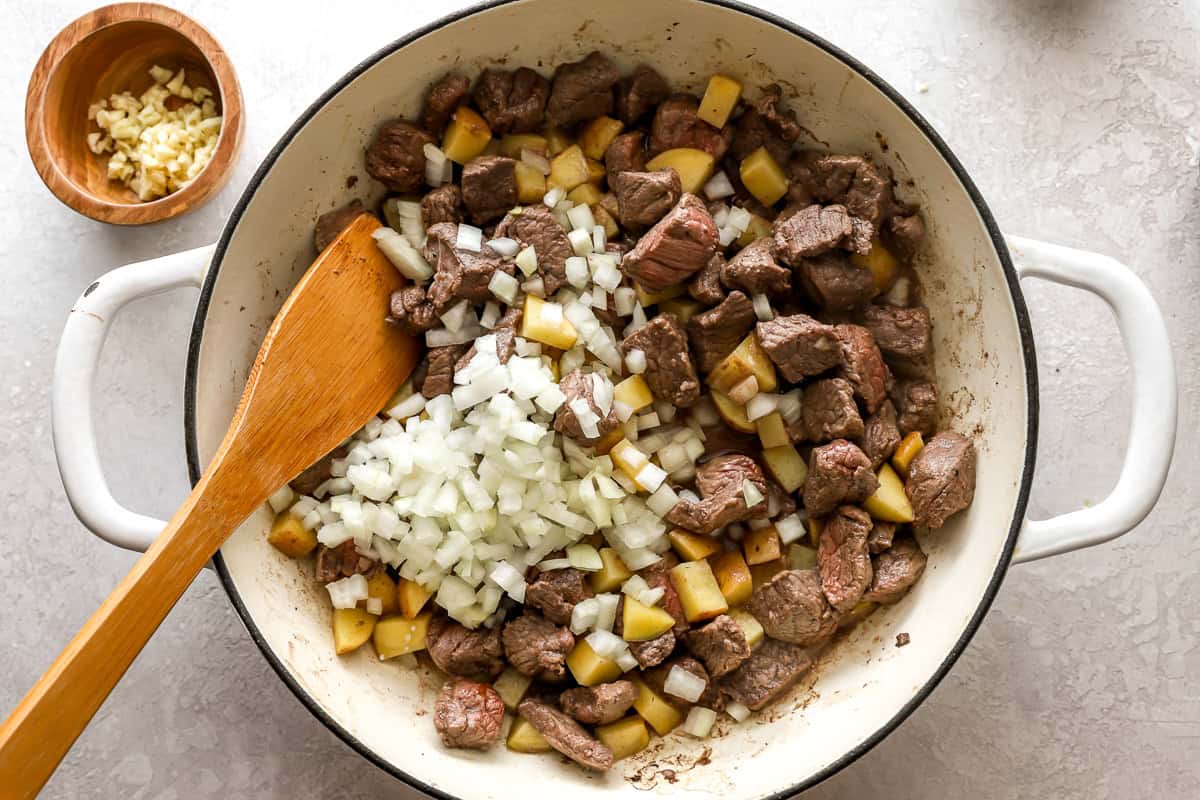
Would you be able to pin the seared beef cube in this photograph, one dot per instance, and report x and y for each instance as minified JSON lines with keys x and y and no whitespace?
{"x":461,"y":274}
{"x":765,"y":124}
{"x":895,"y":571}
{"x":308,"y":481}
{"x":719,"y":482}
{"x":829,"y":411}
{"x":576,"y":385}
{"x":904,"y":336}
{"x":705,"y":286}
{"x":412,"y":311}
{"x":799,"y":345}
{"x":880,"y":435}
{"x":654,"y":652}
{"x":771,"y":670}
{"x":754,"y":271}
{"x":853,"y":181}
{"x":639,"y":93}
{"x":838,"y":473}
{"x":813,"y":231}
{"x":512,"y":102}
{"x":446,"y":95}
{"x":645,"y":197}
{"x":537,"y":647}
{"x":582,"y":90}
{"x":669,"y":373}
{"x":625,"y":153}
{"x":656,"y":679}
{"x":476,"y":654}
{"x":599,"y":705}
{"x":715,"y":333}
{"x":331,"y":223}
{"x":396,"y":157}
{"x":836,"y":284}
{"x":335,"y":563}
{"x":439,"y":379}
{"x":489,"y":187}
{"x":843,"y":559}
{"x":720,"y":439}
{"x":870,"y":194}
{"x":721,"y":645}
{"x":468,"y":714}
{"x":916,"y":407}
{"x":678,"y":245}
{"x":536,"y":227}
{"x":941,"y":479}
{"x":862,"y":365}
{"x":565,"y":735}
{"x":677,"y":123}
{"x":880,"y":537}
{"x":792,"y":608}
{"x":780,"y":503}
{"x":556,"y":592}
{"x":905,"y":233}
{"x":443,"y":204}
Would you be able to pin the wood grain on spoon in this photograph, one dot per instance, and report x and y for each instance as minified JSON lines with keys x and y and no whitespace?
{"x":329,"y":363}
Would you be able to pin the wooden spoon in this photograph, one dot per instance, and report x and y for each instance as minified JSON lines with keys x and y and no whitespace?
{"x":329,"y":363}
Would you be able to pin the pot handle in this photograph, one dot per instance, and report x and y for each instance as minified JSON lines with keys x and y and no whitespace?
{"x":71,"y":395}
{"x":1155,"y":401}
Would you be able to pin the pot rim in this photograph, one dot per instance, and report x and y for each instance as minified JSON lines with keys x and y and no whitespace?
{"x":997,"y":239}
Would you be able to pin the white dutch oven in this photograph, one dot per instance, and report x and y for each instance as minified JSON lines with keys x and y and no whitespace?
{"x":985,"y":362}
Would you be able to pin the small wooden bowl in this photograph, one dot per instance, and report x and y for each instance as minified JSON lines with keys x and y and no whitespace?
{"x":108,"y":51}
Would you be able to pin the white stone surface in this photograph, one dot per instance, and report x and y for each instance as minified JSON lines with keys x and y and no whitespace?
{"x":1080,"y":123}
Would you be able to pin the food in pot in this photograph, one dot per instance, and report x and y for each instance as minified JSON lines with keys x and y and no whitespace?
{"x":675,"y":428}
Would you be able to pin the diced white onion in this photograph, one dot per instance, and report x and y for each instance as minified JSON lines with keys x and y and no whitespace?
{"x":762,"y":307}
{"x":504,"y":287}
{"x":584,"y":557}
{"x":662,"y":500}
{"x":739,"y":219}
{"x":455,"y":316}
{"x":510,"y":579}
{"x":624,"y":300}
{"x":718,"y":186}
{"x":581,"y":218}
{"x":375,"y":605}
{"x":490,"y":315}
{"x":404,"y":257}
{"x":583,"y":616}
{"x":504,"y":246}
{"x":347,"y":592}
{"x":607,"y":645}
{"x":441,"y":337}
{"x":438,"y":168}
{"x":554,"y":197}
{"x":751,"y":493}
{"x":760,"y":405}
{"x":789,"y":406}
{"x":790,"y":528}
{"x":684,"y":684}
{"x":627,"y":661}
{"x":536,"y":160}
{"x":635,"y":360}
{"x":699,"y":721}
{"x":599,"y":237}
{"x":469,"y":238}
{"x":577,"y":271}
{"x":282,"y":499}
{"x":581,"y":241}
{"x":606,"y":615}
{"x":527,"y":261}
{"x":738,"y":711}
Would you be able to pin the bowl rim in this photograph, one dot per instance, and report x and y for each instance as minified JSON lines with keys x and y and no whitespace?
{"x":224,"y":157}
{"x":1023,"y":326}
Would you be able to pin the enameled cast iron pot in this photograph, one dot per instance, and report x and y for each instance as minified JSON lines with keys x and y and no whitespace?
{"x":985,"y":364}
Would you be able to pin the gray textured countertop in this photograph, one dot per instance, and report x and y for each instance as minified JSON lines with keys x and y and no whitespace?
{"x":1080,"y":121}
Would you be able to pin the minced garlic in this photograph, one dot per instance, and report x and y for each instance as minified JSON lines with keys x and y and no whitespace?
{"x":156,"y":148}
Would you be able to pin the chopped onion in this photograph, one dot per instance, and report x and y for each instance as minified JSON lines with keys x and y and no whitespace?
{"x":405,"y":216}
{"x":441,"y":337}
{"x":650,"y":477}
{"x":762,"y":307}
{"x":553,"y":197}
{"x":682,"y":683}
{"x":504,"y":246}
{"x":534,"y":286}
{"x":527,"y":261}
{"x":789,"y":406}
{"x":599,"y":237}
{"x":281,"y":499}
{"x":760,"y":405}
{"x":635,"y":360}
{"x":738,"y":711}
{"x":469,"y":238}
{"x":510,"y":579}
{"x":455,"y":316}
{"x":455,"y":594}
{"x":606,"y":615}
{"x":404,"y":257}
{"x":607,"y":645}
{"x":584,"y":557}
{"x":536,"y":160}
{"x":627,"y":661}
{"x":577,"y":271}
{"x":647,"y":421}
{"x":581,"y":241}
{"x":739,"y":219}
{"x":718,"y":186}
{"x":624,"y":300}
{"x":581,"y":218}
{"x":790,"y":528}
{"x":504,"y":287}
{"x":699,"y":721}
{"x":438,"y":168}
{"x":751,"y":493}
{"x":662,"y":500}
{"x":347,"y":592}
{"x":583,"y":616}
{"x":490,"y":316}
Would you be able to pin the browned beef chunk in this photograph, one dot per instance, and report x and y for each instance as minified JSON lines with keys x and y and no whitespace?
{"x":439,"y":378}
{"x":838,"y":473}
{"x":862,"y":365}
{"x":556,"y":592}
{"x":779,"y":502}
{"x":754,"y":271}
{"x":705,"y":286}
{"x":537,"y":647}
{"x":720,"y":439}
{"x":916,"y":407}
{"x":335,"y":563}
{"x":771,"y":670}
{"x":678,"y":245}
{"x":461,"y":274}
{"x":715,"y":333}
{"x":654,"y":652}
{"x":836,"y":284}
{"x":843,"y":559}
{"x":512,"y":102}
{"x":721,"y":645}
{"x":396,"y":157}
{"x":639,"y":93}
{"x":669,"y":373}
{"x":656,"y":679}
{"x":941,"y":479}
{"x":895,"y":571}
{"x":447,"y":94}
{"x":904,"y":336}
{"x":476,"y":654}
{"x":816,"y":230}
{"x":657,"y":575}
{"x":829,"y":411}
{"x":468,"y":714}
{"x":905,"y":233}
{"x":443,"y":204}
{"x":625,"y":153}
{"x":566,"y":735}
{"x":792,"y":608}
{"x":576,"y":385}
{"x":800,"y":346}
{"x":765,"y":124}
{"x":881,"y":436}
{"x":599,"y":705}
{"x":308,"y":481}
{"x":880,"y":537}
{"x":722,"y":500}
{"x":489,"y":187}
{"x":678,"y":124}
{"x":645,"y":197}
{"x":853,"y":181}
{"x":582,"y":90}
{"x":331,"y":223}
{"x":536,"y":227}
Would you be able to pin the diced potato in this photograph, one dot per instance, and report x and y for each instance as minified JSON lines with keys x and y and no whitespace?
{"x":569,"y":168}
{"x":381,"y":585}
{"x":762,"y":545}
{"x":883,"y":265}
{"x":692,"y":546}
{"x":556,"y":141}
{"x":596,"y":171}
{"x":535,"y":326}
{"x":608,"y":441}
{"x":761,"y":573}
{"x":861,"y":610}
{"x":698,"y":590}
{"x":585,"y":194}
{"x":512,"y":144}
{"x":906,"y":451}
{"x":733,"y":577}
{"x":628,"y":458}
{"x":748,"y":358}
{"x":682,"y":307}
{"x":758,"y":228}
{"x":289,"y":537}
{"x":588,"y":668}
{"x":733,"y":414}
{"x":524,"y":738}
{"x":694,"y":166}
{"x":750,"y":626}
{"x":652,"y":707}
{"x":531,"y":184}
{"x":763,"y":177}
{"x":395,"y":636}
{"x":801,"y":556}
{"x":814,"y":530}
{"x":466,"y":136}
{"x":412,"y":597}
{"x":602,"y":217}
{"x":511,"y":685}
{"x":624,"y":737}
{"x":648,"y":298}
{"x":786,"y":466}
{"x":890,"y":501}
{"x":772,"y":432}
{"x":351,"y":627}
{"x":597,"y":135}
{"x":609,"y":202}
{"x":612,"y":574}
{"x":633,"y":392}
{"x":641,"y":622}
{"x":720,"y":97}
{"x":552,"y":365}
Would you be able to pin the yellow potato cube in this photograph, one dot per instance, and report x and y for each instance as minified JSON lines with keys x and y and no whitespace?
{"x":801,"y":556}
{"x":861,"y":610}
{"x":351,"y":627}
{"x":512,"y":144}
{"x":612,"y":574}
{"x":596,"y":171}
{"x":698,"y":590}
{"x":733,"y":577}
{"x":569,"y":168}
{"x":396,"y":636}
{"x":466,"y":136}
{"x":692,"y":546}
{"x":536,"y":326}
{"x":588,"y":668}
{"x":648,"y":298}
{"x":762,"y":545}
{"x":758,"y":228}
{"x":642,"y":622}
{"x":633,"y":392}
{"x":381,"y":585}
{"x":733,"y":414}
{"x":890,"y":501}
{"x":883,"y":265}
{"x":720,"y":97}
{"x":682,"y":307}
{"x":814,"y":530}
{"x":602,"y":217}
{"x":412,"y":597}
{"x":556,"y":141}
{"x":624,"y":737}
{"x":597,"y":135}
{"x":630,"y":460}
{"x":608,"y":441}
{"x":585,"y":194}
{"x":748,"y":358}
{"x":906,"y":451}
{"x":652,"y":707}
{"x":531,"y":184}
{"x":289,"y":537}
{"x":511,"y":685}
{"x":786,"y":466}
{"x":694,"y":166}
{"x":762,"y":177}
{"x":761,"y":573}
{"x":524,"y":738}
{"x":772,"y":432}
{"x":750,"y":626}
